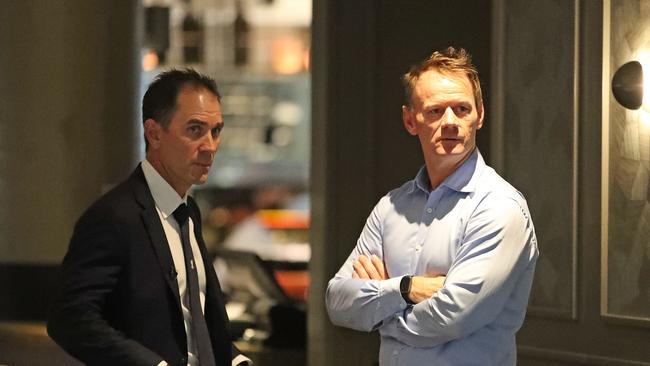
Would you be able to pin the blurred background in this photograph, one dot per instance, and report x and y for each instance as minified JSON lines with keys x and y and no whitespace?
{"x":313,"y":138}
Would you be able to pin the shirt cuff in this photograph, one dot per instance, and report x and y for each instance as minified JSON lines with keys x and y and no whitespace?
{"x":390,"y":293}
{"x":242,"y":360}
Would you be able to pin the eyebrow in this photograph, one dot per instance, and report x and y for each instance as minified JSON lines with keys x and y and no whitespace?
{"x":196,"y":121}
{"x":448,"y":103}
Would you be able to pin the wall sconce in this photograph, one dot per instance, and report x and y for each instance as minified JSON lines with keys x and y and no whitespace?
{"x":627,"y":85}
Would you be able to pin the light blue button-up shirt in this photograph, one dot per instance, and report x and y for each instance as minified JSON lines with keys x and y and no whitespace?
{"x":476,"y":229}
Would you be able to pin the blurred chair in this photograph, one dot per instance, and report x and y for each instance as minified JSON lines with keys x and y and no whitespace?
{"x":259,"y":307}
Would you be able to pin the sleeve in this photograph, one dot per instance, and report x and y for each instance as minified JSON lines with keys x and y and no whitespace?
{"x":90,"y":272}
{"x":498,"y":251}
{"x":358,"y":303}
{"x":238,"y":358}
{"x":241,"y":360}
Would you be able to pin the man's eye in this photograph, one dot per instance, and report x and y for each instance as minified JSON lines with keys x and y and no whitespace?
{"x":216,"y":132}
{"x":196,"y":130}
{"x":463,"y":110}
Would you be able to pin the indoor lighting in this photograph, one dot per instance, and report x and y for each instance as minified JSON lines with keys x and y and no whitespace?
{"x":627,"y":85}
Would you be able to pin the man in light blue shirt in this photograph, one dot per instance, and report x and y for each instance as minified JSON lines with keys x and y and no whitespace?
{"x":444,"y":265}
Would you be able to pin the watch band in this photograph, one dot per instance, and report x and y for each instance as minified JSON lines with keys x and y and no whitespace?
{"x":405,"y":288}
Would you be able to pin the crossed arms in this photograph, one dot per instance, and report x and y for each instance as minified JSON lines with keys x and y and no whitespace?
{"x":422,"y":287}
{"x":491,"y":269}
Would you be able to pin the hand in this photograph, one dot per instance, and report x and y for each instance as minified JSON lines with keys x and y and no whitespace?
{"x":369,"y":269}
{"x":423,"y":288}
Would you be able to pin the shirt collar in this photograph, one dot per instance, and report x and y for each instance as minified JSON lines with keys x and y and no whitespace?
{"x":421,"y":180}
{"x":166,"y":198}
{"x":463,"y":179}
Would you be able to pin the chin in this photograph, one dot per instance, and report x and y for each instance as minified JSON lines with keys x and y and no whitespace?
{"x":199,"y":180}
{"x":455,"y":151}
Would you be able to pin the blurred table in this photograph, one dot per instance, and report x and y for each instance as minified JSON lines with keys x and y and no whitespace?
{"x":266,"y":356}
{"x":27,"y":344}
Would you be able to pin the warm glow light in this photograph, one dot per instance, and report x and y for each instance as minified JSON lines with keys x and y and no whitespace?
{"x":149,"y":60}
{"x":644,"y":59}
{"x":644,"y":115}
{"x":306,"y":58}
{"x":644,"y":112}
{"x":287,"y":55}
{"x":646,"y":85}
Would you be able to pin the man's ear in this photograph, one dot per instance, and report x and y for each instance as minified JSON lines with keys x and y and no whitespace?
{"x":481,"y":114}
{"x":408,"y":118}
{"x":152,"y":132}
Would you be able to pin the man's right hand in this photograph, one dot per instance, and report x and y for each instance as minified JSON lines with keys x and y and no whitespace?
{"x":423,"y":288}
{"x":369,"y":268}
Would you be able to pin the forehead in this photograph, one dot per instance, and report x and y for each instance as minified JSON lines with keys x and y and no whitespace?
{"x":197,"y":101}
{"x":433,"y":85}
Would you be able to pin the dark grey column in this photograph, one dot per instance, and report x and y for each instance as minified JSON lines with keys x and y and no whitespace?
{"x":68,"y":115}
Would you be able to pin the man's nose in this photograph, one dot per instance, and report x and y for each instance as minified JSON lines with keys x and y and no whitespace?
{"x":449,"y":118}
{"x":210,"y":144}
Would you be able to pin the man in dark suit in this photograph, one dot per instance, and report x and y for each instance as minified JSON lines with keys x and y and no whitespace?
{"x":138,"y":287}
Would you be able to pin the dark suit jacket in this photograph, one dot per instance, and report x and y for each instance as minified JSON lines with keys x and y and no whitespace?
{"x":119,"y":303}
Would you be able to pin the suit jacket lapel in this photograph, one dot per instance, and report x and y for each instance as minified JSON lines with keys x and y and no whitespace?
{"x":155,"y":230}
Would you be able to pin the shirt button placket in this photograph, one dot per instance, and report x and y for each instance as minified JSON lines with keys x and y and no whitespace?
{"x":418,"y":247}
{"x":395,"y":359}
{"x":423,"y":225}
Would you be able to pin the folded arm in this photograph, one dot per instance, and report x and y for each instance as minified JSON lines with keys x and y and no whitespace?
{"x":364,"y":303}
{"x":498,"y":247}
{"x":422,"y":287}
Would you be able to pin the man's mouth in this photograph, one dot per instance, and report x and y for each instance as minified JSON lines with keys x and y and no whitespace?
{"x":450,"y":139}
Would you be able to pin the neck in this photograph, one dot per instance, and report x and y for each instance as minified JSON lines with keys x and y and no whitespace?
{"x":157,"y":164}
{"x":439,"y":169}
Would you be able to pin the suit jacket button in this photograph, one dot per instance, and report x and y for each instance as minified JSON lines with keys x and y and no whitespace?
{"x":182,"y":362}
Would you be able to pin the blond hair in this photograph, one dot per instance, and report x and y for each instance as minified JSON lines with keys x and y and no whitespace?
{"x":450,"y":60}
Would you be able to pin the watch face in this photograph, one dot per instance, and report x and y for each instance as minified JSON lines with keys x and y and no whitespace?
{"x":405,"y":288}
{"x":405,"y":285}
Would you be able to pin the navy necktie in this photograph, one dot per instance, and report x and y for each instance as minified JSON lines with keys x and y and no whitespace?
{"x":199,"y":326}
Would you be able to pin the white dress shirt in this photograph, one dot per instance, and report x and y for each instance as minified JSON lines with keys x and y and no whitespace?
{"x":167,"y":200}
